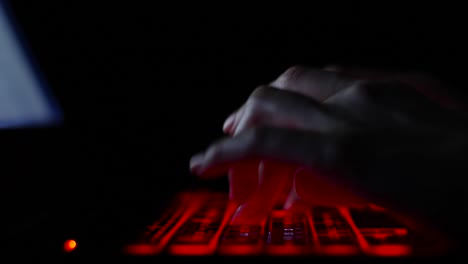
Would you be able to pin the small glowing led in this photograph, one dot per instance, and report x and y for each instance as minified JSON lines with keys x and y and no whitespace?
{"x":69,"y":245}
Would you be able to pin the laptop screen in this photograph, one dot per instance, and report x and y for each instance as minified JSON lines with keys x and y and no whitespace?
{"x":24,"y":99}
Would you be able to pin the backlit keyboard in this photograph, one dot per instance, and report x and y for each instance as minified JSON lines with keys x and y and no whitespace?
{"x":198,"y":224}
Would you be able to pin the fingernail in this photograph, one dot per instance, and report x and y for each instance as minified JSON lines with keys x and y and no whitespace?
{"x":227,"y":126}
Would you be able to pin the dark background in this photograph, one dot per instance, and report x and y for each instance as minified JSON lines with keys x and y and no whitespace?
{"x":144,"y":87}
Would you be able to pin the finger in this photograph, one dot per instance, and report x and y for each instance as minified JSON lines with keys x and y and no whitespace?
{"x":300,"y":147}
{"x":274,"y":107}
{"x":243,"y":181}
{"x":273,"y":177}
{"x":293,"y":197}
{"x":229,"y":123}
{"x":233,"y":120}
{"x":314,"y":83}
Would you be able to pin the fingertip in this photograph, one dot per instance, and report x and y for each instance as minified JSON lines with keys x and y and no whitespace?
{"x":197,"y":159}
{"x":229,"y":123}
{"x":200,"y":166}
{"x":196,"y":163}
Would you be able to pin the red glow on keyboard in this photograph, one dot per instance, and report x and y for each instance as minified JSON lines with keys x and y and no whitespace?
{"x":339,"y":250}
{"x":142,"y":249}
{"x":202,"y":230}
{"x":69,"y":245}
{"x":381,"y":236}
{"x":193,"y":250}
{"x":240,"y":250}
{"x":286,"y":250}
{"x":391,"y":250}
{"x":375,"y":207}
{"x":400,"y":231}
{"x":201,"y":225}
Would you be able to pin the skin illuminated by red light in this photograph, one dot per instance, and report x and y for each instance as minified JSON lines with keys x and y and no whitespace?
{"x":69,"y":245}
{"x":390,"y":250}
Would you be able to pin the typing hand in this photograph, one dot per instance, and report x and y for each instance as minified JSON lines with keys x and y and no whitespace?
{"x":342,"y":137}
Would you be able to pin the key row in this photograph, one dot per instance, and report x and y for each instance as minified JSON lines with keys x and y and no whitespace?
{"x":199,"y":224}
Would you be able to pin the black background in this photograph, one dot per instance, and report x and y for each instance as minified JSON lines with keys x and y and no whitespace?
{"x":143,"y":87}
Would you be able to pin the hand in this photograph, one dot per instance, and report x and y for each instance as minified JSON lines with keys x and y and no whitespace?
{"x":342,"y":136}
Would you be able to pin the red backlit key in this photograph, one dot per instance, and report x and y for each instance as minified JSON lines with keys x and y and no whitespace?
{"x":288,"y":233}
{"x":383,"y":235}
{"x":156,"y":236}
{"x":200,"y":233}
{"x":242,"y":240}
{"x":333,"y":232}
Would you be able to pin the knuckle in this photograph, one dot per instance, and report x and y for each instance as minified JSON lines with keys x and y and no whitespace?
{"x":262,"y":91}
{"x":290,"y":76}
{"x":358,"y":92}
{"x":293,"y":69}
{"x":260,"y":97}
{"x":370,"y":91}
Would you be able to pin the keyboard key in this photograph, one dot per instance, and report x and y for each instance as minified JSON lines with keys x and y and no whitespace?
{"x":331,"y":227}
{"x":333,"y":233}
{"x":368,"y":218}
{"x":242,"y":240}
{"x":156,"y":235}
{"x":288,"y":233}
{"x":200,"y":233}
{"x":202,"y":226}
{"x":383,"y":234}
{"x":241,"y":234}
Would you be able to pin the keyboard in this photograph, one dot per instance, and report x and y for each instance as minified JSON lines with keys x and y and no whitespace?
{"x":199,"y":224}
